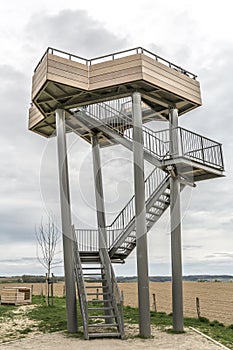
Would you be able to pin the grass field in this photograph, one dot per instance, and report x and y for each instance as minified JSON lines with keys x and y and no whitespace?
{"x":216,"y":298}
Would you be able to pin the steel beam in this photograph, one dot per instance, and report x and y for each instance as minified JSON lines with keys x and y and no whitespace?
{"x":67,"y":232}
{"x":140,"y":211}
{"x":175,"y":212}
{"x":99,"y":195}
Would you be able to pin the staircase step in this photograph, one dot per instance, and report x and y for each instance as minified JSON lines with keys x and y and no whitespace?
{"x":153,"y":212}
{"x":124,"y":248}
{"x":98,"y":294}
{"x":100,"y":280}
{"x":92,"y":268}
{"x":96,"y":287}
{"x":158,"y":207}
{"x":99,"y":301}
{"x":100,"y":308}
{"x":101,"y":316}
{"x":150,"y":219}
{"x":104,"y":335}
{"x":163,"y":201}
{"x":104,"y":325}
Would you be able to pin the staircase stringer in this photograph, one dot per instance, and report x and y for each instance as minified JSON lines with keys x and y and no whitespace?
{"x":116,"y":297}
{"x":108,"y":130}
{"x":83,"y":300}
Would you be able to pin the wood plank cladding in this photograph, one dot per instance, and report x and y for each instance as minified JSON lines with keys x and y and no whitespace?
{"x":67,"y":72}
{"x":115,"y":72}
{"x":170,"y":80}
{"x":34,"y":117}
{"x":126,"y":70}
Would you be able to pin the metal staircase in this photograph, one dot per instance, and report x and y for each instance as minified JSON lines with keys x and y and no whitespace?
{"x":121,"y":235}
{"x":102,"y":314}
{"x":113,"y":123}
{"x":115,"y":126}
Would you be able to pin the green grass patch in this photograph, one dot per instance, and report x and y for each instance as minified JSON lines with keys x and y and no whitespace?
{"x":49,"y":318}
{"x":6,"y":310}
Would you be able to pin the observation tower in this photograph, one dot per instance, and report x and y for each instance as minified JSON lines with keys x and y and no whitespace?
{"x":107,"y":101}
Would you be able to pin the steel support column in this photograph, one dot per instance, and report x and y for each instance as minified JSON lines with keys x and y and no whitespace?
{"x":99,"y":195}
{"x":175,"y":212}
{"x":140,"y":211}
{"x":67,"y":232}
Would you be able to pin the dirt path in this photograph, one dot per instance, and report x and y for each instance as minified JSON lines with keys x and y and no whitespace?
{"x":161,"y":340}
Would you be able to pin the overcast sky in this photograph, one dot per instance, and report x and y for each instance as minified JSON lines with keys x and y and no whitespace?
{"x":195,"y":35}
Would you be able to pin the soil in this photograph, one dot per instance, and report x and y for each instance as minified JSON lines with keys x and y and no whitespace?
{"x":161,"y":340}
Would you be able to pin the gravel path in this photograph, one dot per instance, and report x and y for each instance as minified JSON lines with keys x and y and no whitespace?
{"x":161,"y":340}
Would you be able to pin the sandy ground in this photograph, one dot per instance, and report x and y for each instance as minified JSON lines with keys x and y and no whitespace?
{"x":161,"y":340}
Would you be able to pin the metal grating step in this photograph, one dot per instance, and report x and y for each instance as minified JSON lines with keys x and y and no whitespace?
{"x":152,"y":212}
{"x":95,"y":301}
{"x":158,"y":207}
{"x":104,"y":335}
{"x":163,"y":201}
{"x":100,"y":280}
{"x":96,"y":287}
{"x":93,"y":268}
{"x":98,"y":294}
{"x":104,"y":325}
{"x":101,"y":308}
{"x":102,"y":316}
{"x":150,"y":219}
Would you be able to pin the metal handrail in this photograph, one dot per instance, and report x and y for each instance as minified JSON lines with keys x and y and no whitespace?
{"x":88,"y":240}
{"x":117,"y":299}
{"x":115,"y":55}
{"x":85,"y":237}
{"x":154,"y":179}
{"x":201,"y":149}
{"x":83,"y":299}
{"x":156,"y":143}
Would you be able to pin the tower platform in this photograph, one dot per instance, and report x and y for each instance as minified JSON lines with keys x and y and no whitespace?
{"x":63,"y":80}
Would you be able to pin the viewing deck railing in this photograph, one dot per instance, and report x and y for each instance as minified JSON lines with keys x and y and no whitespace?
{"x":115,"y":55}
{"x":201,"y":149}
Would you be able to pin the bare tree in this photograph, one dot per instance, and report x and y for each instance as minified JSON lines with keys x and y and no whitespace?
{"x":47,"y":236}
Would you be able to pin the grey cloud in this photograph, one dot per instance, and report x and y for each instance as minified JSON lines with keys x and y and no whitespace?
{"x":191,"y":246}
{"x":73,"y":31}
{"x":220,"y":255}
{"x":19,"y":260}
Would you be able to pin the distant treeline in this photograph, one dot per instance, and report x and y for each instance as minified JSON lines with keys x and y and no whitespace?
{"x":122,"y":279}
{"x":29,"y":279}
{"x":191,"y":278}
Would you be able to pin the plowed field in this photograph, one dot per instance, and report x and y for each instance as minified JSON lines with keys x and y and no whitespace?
{"x":216,"y":299}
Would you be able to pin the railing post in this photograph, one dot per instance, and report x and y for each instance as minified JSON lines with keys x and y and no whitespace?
{"x":140,"y":220}
{"x":202,"y":150}
{"x":67,"y":232}
{"x":181,"y":142}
